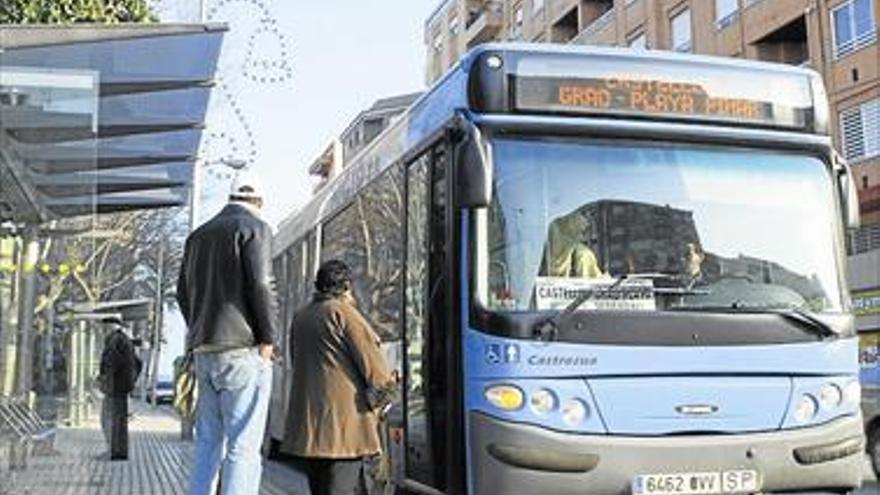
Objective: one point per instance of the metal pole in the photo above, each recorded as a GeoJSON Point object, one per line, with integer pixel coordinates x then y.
{"type": "Point", "coordinates": [145, 358]}
{"type": "Point", "coordinates": [26, 301]}
{"type": "Point", "coordinates": [81, 374]}
{"type": "Point", "coordinates": [195, 191]}
{"type": "Point", "coordinates": [8, 313]}
{"type": "Point", "coordinates": [71, 372]}
{"type": "Point", "coordinates": [74, 371]}
{"type": "Point", "coordinates": [89, 363]}
{"type": "Point", "coordinates": [157, 330]}
{"type": "Point", "coordinates": [49, 354]}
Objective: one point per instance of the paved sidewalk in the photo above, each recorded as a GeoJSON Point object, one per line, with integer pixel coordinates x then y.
{"type": "Point", "coordinates": [158, 463]}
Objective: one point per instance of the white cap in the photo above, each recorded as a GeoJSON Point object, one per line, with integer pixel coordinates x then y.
{"type": "Point", "coordinates": [246, 186]}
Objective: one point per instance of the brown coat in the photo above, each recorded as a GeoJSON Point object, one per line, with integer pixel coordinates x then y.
{"type": "Point", "coordinates": [336, 357]}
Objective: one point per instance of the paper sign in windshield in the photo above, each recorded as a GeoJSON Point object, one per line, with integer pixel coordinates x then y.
{"type": "Point", "coordinates": [629, 295]}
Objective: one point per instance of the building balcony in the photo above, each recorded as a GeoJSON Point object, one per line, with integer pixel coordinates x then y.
{"type": "Point", "coordinates": [329, 163]}
{"type": "Point", "coordinates": [595, 33]}
{"type": "Point", "coordinates": [869, 199]}
{"type": "Point", "coordinates": [484, 23]}
{"type": "Point", "coordinates": [786, 44]}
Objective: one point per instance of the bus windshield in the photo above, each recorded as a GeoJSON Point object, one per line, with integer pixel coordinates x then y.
{"type": "Point", "coordinates": [658, 227]}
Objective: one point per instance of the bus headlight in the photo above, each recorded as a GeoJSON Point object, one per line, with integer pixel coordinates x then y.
{"type": "Point", "coordinates": [542, 401]}
{"type": "Point", "coordinates": [852, 393]}
{"type": "Point", "coordinates": [830, 397]}
{"type": "Point", "coordinates": [574, 411]}
{"type": "Point", "coordinates": [806, 409]}
{"type": "Point", "coordinates": [506, 397]}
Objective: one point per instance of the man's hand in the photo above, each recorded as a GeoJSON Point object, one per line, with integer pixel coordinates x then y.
{"type": "Point", "coordinates": [266, 351]}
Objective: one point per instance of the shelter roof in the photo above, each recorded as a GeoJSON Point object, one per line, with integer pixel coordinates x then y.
{"type": "Point", "coordinates": [97, 119]}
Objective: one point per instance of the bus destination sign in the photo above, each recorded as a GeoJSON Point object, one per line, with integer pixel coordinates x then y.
{"type": "Point", "coordinates": [630, 96]}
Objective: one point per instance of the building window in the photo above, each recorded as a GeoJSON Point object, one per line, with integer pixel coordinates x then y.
{"type": "Point", "coordinates": [537, 6]}
{"type": "Point", "coordinates": [854, 26]}
{"type": "Point", "coordinates": [725, 13]}
{"type": "Point", "coordinates": [454, 26]}
{"type": "Point", "coordinates": [438, 42]}
{"type": "Point", "coordinates": [681, 31]}
{"type": "Point", "coordinates": [516, 24]}
{"type": "Point", "coordinates": [860, 131]}
{"type": "Point", "coordinates": [640, 42]}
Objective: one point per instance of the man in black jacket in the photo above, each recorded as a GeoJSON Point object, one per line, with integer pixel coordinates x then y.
{"type": "Point", "coordinates": [226, 297]}
{"type": "Point", "coordinates": [119, 370]}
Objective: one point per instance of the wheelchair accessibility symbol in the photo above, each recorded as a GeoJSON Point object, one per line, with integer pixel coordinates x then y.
{"type": "Point", "coordinates": [498, 353]}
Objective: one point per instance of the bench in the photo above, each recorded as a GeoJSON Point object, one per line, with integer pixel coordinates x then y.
{"type": "Point", "coordinates": [24, 432]}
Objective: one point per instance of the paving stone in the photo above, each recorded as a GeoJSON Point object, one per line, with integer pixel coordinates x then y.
{"type": "Point", "coordinates": [158, 463]}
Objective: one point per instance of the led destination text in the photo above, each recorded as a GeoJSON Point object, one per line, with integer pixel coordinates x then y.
{"type": "Point", "coordinates": [655, 97]}
{"type": "Point", "coordinates": [633, 96]}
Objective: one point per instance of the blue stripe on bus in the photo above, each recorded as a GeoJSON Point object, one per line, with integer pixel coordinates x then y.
{"type": "Point", "coordinates": [489, 356]}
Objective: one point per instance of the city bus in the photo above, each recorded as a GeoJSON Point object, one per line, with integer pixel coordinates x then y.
{"type": "Point", "coordinates": [600, 271]}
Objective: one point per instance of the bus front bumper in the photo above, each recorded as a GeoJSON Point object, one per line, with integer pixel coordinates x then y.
{"type": "Point", "coordinates": [525, 459]}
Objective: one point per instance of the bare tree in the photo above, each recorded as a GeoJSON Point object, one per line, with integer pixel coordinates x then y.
{"type": "Point", "coordinates": [115, 257]}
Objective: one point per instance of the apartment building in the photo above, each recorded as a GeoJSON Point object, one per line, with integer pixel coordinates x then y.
{"type": "Point", "coordinates": [836, 37]}
{"type": "Point", "coordinates": [359, 133]}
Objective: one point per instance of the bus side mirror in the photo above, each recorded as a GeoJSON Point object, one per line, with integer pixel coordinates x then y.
{"type": "Point", "coordinates": [848, 193]}
{"type": "Point", "coordinates": [474, 171]}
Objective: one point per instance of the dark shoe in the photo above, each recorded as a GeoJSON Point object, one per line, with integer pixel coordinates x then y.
{"type": "Point", "coordinates": [118, 457]}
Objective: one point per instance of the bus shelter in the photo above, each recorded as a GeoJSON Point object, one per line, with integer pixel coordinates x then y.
{"type": "Point", "coordinates": [94, 120]}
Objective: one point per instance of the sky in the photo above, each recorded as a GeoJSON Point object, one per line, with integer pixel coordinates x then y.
{"type": "Point", "coordinates": [342, 56]}
{"type": "Point", "coordinates": [345, 56]}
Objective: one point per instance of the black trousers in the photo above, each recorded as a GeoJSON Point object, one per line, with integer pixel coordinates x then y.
{"type": "Point", "coordinates": [336, 476]}
{"type": "Point", "coordinates": [114, 422]}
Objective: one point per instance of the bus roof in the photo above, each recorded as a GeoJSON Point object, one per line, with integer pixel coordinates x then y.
{"type": "Point", "coordinates": [584, 81]}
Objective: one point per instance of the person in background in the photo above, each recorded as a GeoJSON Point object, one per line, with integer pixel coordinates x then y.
{"type": "Point", "coordinates": [119, 370]}
{"type": "Point", "coordinates": [565, 253]}
{"type": "Point", "coordinates": [341, 382]}
{"type": "Point", "coordinates": [227, 298]}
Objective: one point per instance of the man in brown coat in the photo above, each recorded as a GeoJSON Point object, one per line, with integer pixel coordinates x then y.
{"type": "Point", "coordinates": [337, 369]}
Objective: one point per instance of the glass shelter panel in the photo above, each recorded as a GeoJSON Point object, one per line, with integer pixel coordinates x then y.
{"type": "Point", "coordinates": [42, 107]}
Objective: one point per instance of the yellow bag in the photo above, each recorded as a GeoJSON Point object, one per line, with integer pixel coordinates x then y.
{"type": "Point", "coordinates": [185, 388]}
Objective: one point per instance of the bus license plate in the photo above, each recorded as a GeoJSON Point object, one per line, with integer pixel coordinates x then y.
{"type": "Point", "coordinates": [744, 481]}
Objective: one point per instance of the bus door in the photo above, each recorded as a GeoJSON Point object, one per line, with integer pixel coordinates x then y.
{"type": "Point", "coordinates": [426, 321]}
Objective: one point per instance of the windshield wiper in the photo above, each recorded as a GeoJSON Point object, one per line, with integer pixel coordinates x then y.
{"type": "Point", "coordinates": [548, 329]}
{"type": "Point", "coordinates": [806, 321]}
{"type": "Point", "coordinates": [803, 319]}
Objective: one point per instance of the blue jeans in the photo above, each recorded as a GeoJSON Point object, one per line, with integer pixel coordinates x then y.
{"type": "Point", "coordinates": [233, 401]}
